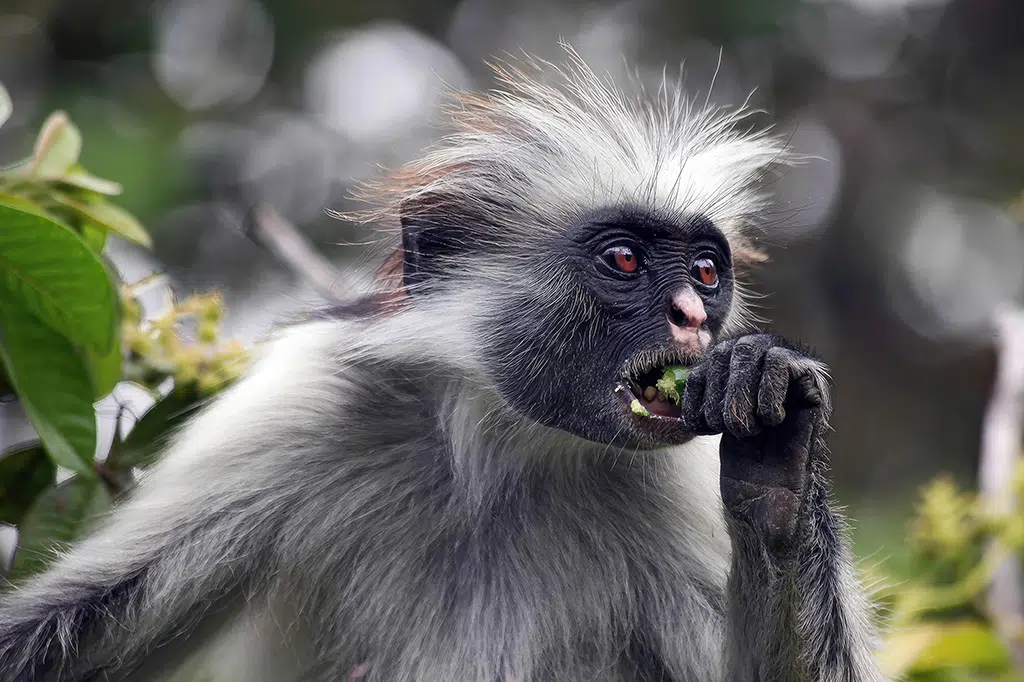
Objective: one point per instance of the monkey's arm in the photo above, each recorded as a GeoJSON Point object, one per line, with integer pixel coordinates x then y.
{"type": "Point", "coordinates": [148, 576]}
{"type": "Point", "coordinates": [198, 530]}
{"type": "Point", "coordinates": [795, 610]}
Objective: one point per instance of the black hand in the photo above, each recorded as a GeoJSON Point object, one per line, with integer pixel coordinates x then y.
{"type": "Point", "coordinates": [767, 399]}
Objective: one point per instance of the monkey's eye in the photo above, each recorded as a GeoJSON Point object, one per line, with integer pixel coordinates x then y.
{"type": "Point", "coordinates": [622, 258]}
{"type": "Point", "coordinates": [705, 272]}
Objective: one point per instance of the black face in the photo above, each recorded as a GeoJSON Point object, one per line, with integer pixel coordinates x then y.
{"type": "Point", "coordinates": [586, 331]}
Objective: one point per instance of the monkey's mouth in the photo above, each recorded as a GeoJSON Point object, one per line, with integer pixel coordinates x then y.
{"type": "Point", "coordinates": [654, 390]}
{"type": "Point", "coordinates": [645, 389]}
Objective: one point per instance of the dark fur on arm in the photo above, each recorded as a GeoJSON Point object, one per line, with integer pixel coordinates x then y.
{"type": "Point", "coordinates": [795, 609]}
{"type": "Point", "coordinates": [796, 612]}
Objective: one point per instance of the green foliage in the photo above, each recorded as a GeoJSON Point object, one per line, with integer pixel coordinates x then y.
{"type": "Point", "coordinates": [50, 272]}
{"type": "Point", "coordinates": [143, 444]}
{"type": "Point", "coordinates": [940, 625]}
{"type": "Point", "coordinates": [25, 472]}
{"type": "Point", "coordinates": [49, 375]}
{"type": "Point", "coordinates": [672, 383]}
{"type": "Point", "coordinates": [57, 516]}
{"type": "Point", "coordinates": [70, 332]}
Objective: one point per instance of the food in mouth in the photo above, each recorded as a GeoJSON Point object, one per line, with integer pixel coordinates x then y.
{"type": "Point", "coordinates": [638, 408]}
{"type": "Point", "coordinates": [672, 382]}
{"type": "Point", "coordinates": [659, 391]}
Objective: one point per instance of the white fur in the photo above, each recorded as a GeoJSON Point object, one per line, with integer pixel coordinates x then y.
{"type": "Point", "coordinates": [553, 144]}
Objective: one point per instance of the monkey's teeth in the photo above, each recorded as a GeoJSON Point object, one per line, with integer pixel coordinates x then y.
{"type": "Point", "coordinates": [650, 393]}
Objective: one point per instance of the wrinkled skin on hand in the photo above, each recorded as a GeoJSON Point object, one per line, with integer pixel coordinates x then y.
{"type": "Point", "coordinates": [768, 400]}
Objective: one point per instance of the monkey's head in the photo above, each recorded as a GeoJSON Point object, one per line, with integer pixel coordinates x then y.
{"type": "Point", "coordinates": [588, 240]}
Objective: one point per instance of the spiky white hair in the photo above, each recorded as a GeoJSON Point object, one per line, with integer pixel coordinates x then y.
{"type": "Point", "coordinates": [552, 144]}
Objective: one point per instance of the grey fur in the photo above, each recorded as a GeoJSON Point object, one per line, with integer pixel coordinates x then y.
{"type": "Point", "coordinates": [365, 496]}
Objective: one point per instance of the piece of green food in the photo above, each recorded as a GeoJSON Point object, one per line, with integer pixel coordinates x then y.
{"type": "Point", "coordinates": [639, 409]}
{"type": "Point", "coordinates": [672, 382]}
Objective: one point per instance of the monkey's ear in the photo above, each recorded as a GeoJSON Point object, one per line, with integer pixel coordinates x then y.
{"type": "Point", "coordinates": [413, 265]}
{"type": "Point", "coordinates": [434, 233]}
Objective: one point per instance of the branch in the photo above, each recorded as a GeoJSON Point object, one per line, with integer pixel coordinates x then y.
{"type": "Point", "coordinates": [267, 228]}
{"type": "Point", "coordinates": [1002, 432]}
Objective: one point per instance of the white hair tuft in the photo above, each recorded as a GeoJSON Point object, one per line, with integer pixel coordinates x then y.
{"type": "Point", "coordinates": [553, 144]}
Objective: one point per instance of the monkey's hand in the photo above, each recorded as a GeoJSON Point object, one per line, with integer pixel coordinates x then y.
{"type": "Point", "coordinates": [794, 609]}
{"type": "Point", "coordinates": [767, 399]}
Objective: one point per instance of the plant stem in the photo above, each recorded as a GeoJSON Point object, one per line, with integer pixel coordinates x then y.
{"type": "Point", "coordinates": [269, 229]}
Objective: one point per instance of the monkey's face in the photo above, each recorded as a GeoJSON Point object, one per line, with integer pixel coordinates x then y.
{"type": "Point", "coordinates": [583, 334]}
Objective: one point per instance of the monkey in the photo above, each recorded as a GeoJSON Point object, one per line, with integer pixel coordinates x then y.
{"type": "Point", "coordinates": [446, 480]}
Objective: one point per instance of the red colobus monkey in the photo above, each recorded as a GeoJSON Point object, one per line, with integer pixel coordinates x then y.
{"type": "Point", "coordinates": [471, 475]}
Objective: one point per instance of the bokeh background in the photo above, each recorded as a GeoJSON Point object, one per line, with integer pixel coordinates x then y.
{"type": "Point", "coordinates": [893, 247]}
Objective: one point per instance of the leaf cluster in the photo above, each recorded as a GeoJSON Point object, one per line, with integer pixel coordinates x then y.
{"type": "Point", "coordinates": [71, 332]}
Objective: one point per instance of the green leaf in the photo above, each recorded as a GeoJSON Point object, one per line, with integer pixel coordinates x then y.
{"type": "Point", "coordinates": [53, 273]}
{"type": "Point", "coordinates": [20, 203]}
{"type": "Point", "coordinates": [965, 645]}
{"type": "Point", "coordinates": [57, 147]}
{"type": "Point", "coordinates": [61, 515]}
{"type": "Point", "coordinates": [94, 237]}
{"type": "Point", "coordinates": [6, 106]}
{"type": "Point", "coordinates": [147, 439]}
{"type": "Point", "coordinates": [53, 382]}
{"type": "Point", "coordinates": [109, 217]}
{"type": "Point", "coordinates": [105, 370]}
{"type": "Point", "coordinates": [922, 649]}
{"type": "Point", "coordinates": [672, 383]}
{"type": "Point", "coordinates": [79, 177]}
{"type": "Point", "coordinates": [24, 473]}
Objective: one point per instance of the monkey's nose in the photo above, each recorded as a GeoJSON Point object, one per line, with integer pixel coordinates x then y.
{"type": "Point", "coordinates": [686, 310]}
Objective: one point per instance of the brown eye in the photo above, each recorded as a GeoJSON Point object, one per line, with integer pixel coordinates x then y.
{"type": "Point", "coordinates": [623, 259]}
{"type": "Point", "coordinates": [705, 272]}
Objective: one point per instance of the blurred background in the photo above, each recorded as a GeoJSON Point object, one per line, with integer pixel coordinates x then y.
{"type": "Point", "coordinates": [892, 249]}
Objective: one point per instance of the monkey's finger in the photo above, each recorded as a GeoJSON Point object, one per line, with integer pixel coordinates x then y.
{"type": "Point", "coordinates": [771, 395]}
{"type": "Point", "coordinates": [692, 403]}
{"type": "Point", "coordinates": [741, 392]}
{"type": "Point", "coordinates": [805, 382]}
{"type": "Point", "coordinates": [714, 392]}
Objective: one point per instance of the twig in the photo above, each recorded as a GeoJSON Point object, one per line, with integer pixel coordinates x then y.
{"type": "Point", "coordinates": [1002, 433]}
{"type": "Point", "coordinates": [269, 229]}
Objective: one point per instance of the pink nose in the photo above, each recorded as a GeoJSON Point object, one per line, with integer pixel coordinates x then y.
{"type": "Point", "coordinates": [686, 314]}
{"type": "Point", "coordinates": [686, 310]}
